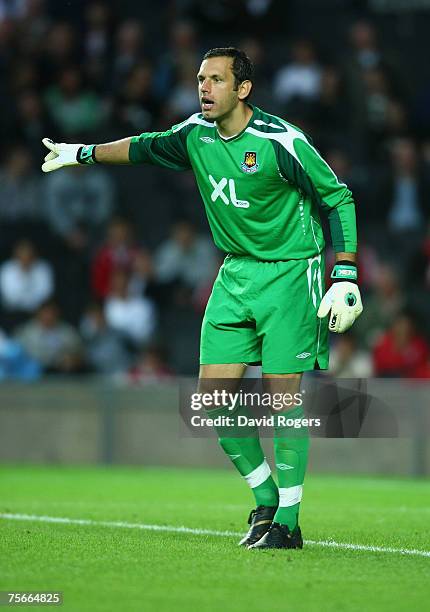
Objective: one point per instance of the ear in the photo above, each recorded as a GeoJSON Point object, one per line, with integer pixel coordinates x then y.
{"type": "Point", "coordinates": [244, 90]}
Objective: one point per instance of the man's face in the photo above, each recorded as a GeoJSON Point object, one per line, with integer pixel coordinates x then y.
{"type": "Point", "coordinates": [48, 316]}
{"type": "Point", "coordinates": [217, 93]}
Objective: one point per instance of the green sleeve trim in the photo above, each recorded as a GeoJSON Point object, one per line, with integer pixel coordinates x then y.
{"type": "Point", "coordinates": [343, 229]}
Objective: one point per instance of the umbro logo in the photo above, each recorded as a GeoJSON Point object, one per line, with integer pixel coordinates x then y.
{"type": "Point", "coordinates": [303, 355]}
{"type": "Point", "coordinates": [233, 457]}
{"type": "Point", "coordinates": [284, 466]}
{"type": "Point", "coordinates": [206, 139]}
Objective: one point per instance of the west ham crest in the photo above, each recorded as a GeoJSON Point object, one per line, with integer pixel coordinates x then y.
{"type": "Point", "coordinates": [249, 163]}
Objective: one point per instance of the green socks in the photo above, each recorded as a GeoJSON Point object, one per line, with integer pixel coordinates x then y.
{"type": "Point", "coordinates": [291, 455]}
{"type": "Point", "coordinates": [244, 450]}
{"type": "Point", "coordinates": [291, 444]}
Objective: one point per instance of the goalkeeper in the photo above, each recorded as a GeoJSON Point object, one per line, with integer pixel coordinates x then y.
{"type": "Point", "coordinates": [263, 185]}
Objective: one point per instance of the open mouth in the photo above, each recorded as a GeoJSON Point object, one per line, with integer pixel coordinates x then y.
{"type": "Point", "coordinates": [207, 103]}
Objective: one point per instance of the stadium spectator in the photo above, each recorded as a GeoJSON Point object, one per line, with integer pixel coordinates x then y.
{"type": "Point", "coordinates": [97, 43]}
{"type": "Point", "coordinates": [384, 116]}
{"type": "Point", "coordinates": [79, 204]}
{"type": "Point", "coordinates": [181, 55]}
{"type": "Point", "coordinates": [365, 52]}
{"type": "Point", "coordinates": [135, 106]}
{"type": "Point", "coordinates": [74, 109]}
{"type": "Point", "coordinates": [184, 43]}
{"type": "Point", "coordinates": [187, 257]}
{"type": "Point", "coordinates": [151, 366]}
{"type": "Point", "coordinates": [97, 31]}
{"type": "Point", "coordinates": [24, 75]}
{"type": "Point", "coordinates": [183, 101]}
{"type": "Point", "coordinates": [373, 91]}
{"type": "Point", "coordinates": [262, 95]}
{"type": "Point", "coordinates": [402, 351]}
{"type": "Point", "coordinates": [32, 122]}
{"type": "Point", "coordinates": [419, 272]}
{"type": "Point", "coordinates": [142, 275]}
{"type": "Point", "coordinates": [53, 343]}
{"type": "Point", "coordinates": [60, 51]}
{"type": "Point", "coordinates": [118, 252]}
{"type": "Point", "coordinates": [35, 18]}
{"type": "Point", "coordinates": [20, 187]}
{"type": "Point", "coordinates": [128, 52]}
{"type": "Point", "coordinates": [347, 360]}
{"type": "Point", "coordinates": [404, 192]}
{"type": "Point", "coordinates": [32, 28]}
{"type": "Point", "coordinates": [299, 81]}
{"type": "Point", "coordinates": [355, 175]}
{"type": "Point", "coordinates": [105, 349]}
{"type": "Point", "coordinates": [331, 112]}
{"type": "Point", "coordinates": [25, 282]}
{"type": "Point", "coordinates": [203, 292]}
{"type": "Point", "coordinates": [225, 18]}
{"type": "Point", "coordinates": [12, 9]}
{"type": "Point", "coordinates": [15, 364]}
{"type": "Point", "coordinates": [22, 211]}
{"type": "Point", "coordinates": [131, 315]}
{"type": "Point", "coordinates": [78, 207]}
{"type": "Point", "coordinates": [383, 305]}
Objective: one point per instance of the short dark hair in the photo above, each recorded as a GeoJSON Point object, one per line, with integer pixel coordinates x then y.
{"type": "Point", "coordinates": [242, 67]}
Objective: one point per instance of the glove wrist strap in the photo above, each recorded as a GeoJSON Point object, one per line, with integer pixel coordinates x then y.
{"type": "Point", "coordinates": [86, 154]}
{"type": "Point", "coordinates": [344, 271]}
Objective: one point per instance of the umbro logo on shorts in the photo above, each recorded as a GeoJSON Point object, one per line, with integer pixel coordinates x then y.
{"type": "Point", "coordinates": [303, 355]}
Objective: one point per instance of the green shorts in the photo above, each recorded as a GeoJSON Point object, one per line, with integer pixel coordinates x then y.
{"type": "Point", "coordinates": [266, 312]}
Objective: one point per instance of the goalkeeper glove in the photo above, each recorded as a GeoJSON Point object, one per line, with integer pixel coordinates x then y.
{"type": "Point", "coordinates": [343, 298]}
{"type": "Point", "coordinates": [62, 154]}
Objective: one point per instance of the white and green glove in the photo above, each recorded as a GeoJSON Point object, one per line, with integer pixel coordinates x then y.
{"type": "Point", "coordinates": [62, 154]}
{"type": "Point", "coordinates": [343, 298]}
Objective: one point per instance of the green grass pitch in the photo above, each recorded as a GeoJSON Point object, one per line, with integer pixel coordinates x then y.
{"type": "Point", "coordinates": [104, 567]}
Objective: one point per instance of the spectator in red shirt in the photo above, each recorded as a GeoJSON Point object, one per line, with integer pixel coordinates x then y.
{"type": "Point", "coordinates": [118, 253]}
{"type": "Point", "coordinates": [151, 366]}
{"type": "Point", "coordinates": [401, 351]}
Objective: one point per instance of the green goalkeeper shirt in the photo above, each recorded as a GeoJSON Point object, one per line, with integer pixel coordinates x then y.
{"type": "Point", "coordinates": [262, 189]}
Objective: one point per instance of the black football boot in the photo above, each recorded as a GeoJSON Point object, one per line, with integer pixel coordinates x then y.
{"type": "Point", "coordinates": [279, 536]}
{"type": "Point", "coordinates": [259, 520]}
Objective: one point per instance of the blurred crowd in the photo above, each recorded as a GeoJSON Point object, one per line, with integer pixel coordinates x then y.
{"type": "Point", "coordinates": [108, 270]}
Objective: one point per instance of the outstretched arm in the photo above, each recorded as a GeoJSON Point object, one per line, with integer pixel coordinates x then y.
{"type": "Point", "coordinates": [167, 149]}
{"type": "Point", "coordinates": [62, 154]}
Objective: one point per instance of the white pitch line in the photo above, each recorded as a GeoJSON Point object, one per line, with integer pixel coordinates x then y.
{"type": "Point", "coordinates": [209, 532]}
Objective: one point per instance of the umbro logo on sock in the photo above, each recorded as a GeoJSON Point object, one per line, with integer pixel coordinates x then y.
{"type": "Point", "coordinates": [284, 466]}
{"type": "Point", "coordinates": [233, 457]}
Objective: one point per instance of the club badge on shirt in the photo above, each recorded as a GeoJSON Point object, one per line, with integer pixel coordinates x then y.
{"type": "Point", "coordinates": [249, 163]}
